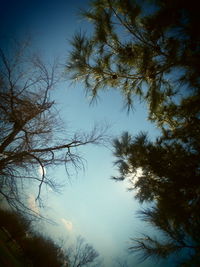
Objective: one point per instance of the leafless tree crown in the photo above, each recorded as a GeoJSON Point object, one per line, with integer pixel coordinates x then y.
{"type": "Point", "coordinates": [29, 139]}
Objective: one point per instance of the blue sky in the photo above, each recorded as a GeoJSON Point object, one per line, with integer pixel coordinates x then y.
{"type": "Point", "coordinates": [91, 205]}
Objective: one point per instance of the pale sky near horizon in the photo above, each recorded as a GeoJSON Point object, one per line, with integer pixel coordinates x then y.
{"type": "Point", "coordinates": [92, 205]}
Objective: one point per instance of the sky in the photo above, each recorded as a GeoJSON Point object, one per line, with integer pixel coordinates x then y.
{"type": "Point", "coordinates": [91, 204]}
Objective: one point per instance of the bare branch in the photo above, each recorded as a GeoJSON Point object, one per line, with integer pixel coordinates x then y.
{"type": "Point", "coordinates": [31, 138]}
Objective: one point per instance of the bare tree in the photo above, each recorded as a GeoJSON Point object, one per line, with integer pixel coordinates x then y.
{"type": "Point", "coordinates": [82, 254]}
{"type": "Point", "coordinates": [30, 138]}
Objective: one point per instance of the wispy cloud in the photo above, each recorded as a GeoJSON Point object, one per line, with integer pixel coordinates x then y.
{"type": "Point", "coordinates": [32, 204]}
{"type": "Point", "coordinates": [67, 224]}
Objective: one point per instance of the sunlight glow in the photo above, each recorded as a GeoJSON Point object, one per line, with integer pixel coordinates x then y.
{"type": "Point", "coordinates": [67, 224]}
{"type": "Point", "coordinates": [40, 171]}
{"type": "Point", "coordinates": [32, 204]}
{"type": "Point", "coordinates": [133, 178]}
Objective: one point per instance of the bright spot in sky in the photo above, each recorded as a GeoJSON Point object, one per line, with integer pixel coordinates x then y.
{"type": "Point", "coordinates": [40, 171]}
{"type": "Point", "coordinates": [133, 178]}
{"type": "Point", "coordinates": [32, 204]}
{"type": "Point", "coordinates": [68, 225]}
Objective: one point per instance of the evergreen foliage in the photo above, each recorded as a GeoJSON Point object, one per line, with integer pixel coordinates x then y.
{"type": "Point", "coordinates": [151, 49]}
{"type": "Point", "coordinates": [169, 182]}
{"type": "Point", "coordinates": [42, 251]}
{"type": "Point", "coordinates": [33, 249]}
{"type": "Point", "coordinates": [148, 49]}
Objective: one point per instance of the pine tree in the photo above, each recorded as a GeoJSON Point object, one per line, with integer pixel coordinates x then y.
{"type": "Point", "coordinates": [148, 49]}
{"type": "Point", "coordinates": [169, 182]}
